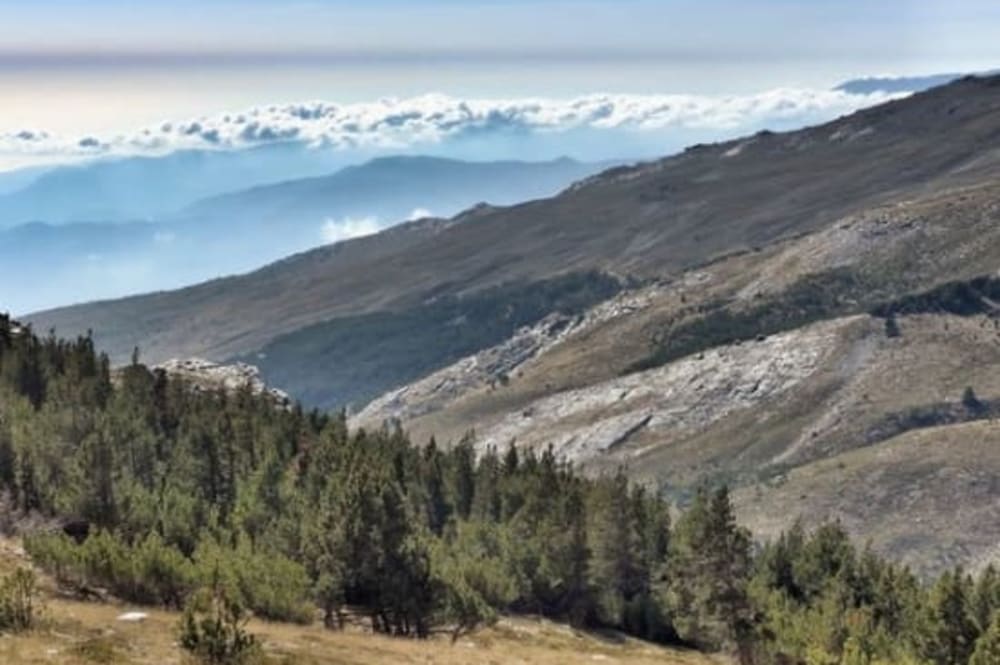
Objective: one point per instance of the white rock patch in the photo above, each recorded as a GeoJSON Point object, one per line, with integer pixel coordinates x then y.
{"type": "Point", "coordinates": [685, 396]}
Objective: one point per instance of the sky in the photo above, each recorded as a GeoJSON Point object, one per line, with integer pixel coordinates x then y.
{"type": "Point", "coordinates": [81, 69]}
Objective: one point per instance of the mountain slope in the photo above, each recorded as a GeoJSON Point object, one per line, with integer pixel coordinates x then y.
{"type": "Point", "coordinates": [649, 221]}
{"type": "Point", "coordinates": [927, 497]}
{"type": "Point", "coordinates": [45, 264]}
{"type": "Point", "coordinates": [751, 405]}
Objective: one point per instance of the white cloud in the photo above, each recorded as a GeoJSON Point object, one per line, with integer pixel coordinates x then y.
{"type": "Point", "coordinates": [419, 213]}
{"type": "Point", "coordinates": [393, 124]}
{"type": "Point", "coordinates": [335, 230]}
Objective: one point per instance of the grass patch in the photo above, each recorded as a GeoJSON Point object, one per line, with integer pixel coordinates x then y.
{"type": "Point", "coordinates": [103, 649]}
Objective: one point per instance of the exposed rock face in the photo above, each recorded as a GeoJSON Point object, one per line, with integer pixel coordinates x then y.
{"type": "Point", "coordinates": [488, 367]}
{"type": "Point", "coordinates": [496, 365]}
{"type": "Point", "coordinates": [208, 375]}
{"type": "Point", "coordinates": [684, 397]}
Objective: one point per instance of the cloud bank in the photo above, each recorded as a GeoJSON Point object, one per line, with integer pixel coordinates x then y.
{"type": "Point", "coordinates": [399, 124]}
{"type": "Point", "coordinates": [335, 230]}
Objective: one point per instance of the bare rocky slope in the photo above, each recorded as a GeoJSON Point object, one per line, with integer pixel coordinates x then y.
{"type": "Point", "coordinates": [764, 333]}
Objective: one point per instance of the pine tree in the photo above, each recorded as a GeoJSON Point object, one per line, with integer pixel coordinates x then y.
{"type": "Point", "coordinates": [487, 503]}
{"type": "Point", "coordinates": [710, 568]}
{"type": "Point", "coordinates": [948, 635]}
{"type": "Point", "coordinates": [578, 600]}
{"type": "Point", "coordinates": [985, 600]}
{"type": "Point", "coordinates": [987, 651]}
{"type": "Point", "coordinates": [618, 575]}
{"type": "Point", "coordinates": [8, 458]}
{"type": "Point", "coordinates": [464, 477]}
{"type": "Point", "coordinates": [437, 506]}
{"type": "Point", "coordinates": [98, 468]}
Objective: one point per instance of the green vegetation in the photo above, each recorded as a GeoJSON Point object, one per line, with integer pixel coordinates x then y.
{"type": "Point", "coordinates": [824, 295]}
{"type": "Point", "coordinates": [836, 292]}
{"type": "Point", "coordinates": [970, 408]}
{"type": "Point", "coordinates": [18, 601]}
{"type": "Point", "coordinates": [351, 360]}
{"type": "Point", "coordinates": [223, 504]}
{"type": "Point", "coordinates": [961, 298]}
{"type": "Point", "coordinates": [815, 297]}
{"type": "Point", "coordinates": [213, 629]}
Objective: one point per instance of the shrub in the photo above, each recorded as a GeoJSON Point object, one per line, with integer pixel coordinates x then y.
{"type": "Point", "coordinates": [105, 563]}
{"type": "Point", "coordinates": [149, 572]}
{"type": "Point", "coordinates": [970, 401]}
{"type": "Point", "coordinates": [276, 587]}
{"type": "Point", "coordinates": [472, 579]}
{"type": "Point", "coordinates": [213, 629]}
{"type": "Point", "coordinates": [56, 554]}
{"type": "Point", "coordinates": [18, 601]}
{"type": "Point", "coordinates": [271, 585]}
{"type": "Point", "coordinates": [892, 326]}
{"type": "Point", "coordinates": [161, 574]}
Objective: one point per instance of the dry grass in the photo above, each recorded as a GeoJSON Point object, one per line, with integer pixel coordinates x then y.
{"type": "Point", "coordinates": [926, 497]}
{"type": "Point", "coordinates": [82, 633]}
{"type": "Point", "coordinates": [79, 633]}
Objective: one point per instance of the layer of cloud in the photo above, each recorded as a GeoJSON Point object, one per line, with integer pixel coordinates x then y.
{"type": "Point", "coordinates": [397, 124]}
{"type": "Point", "coordinates": [335, 230]}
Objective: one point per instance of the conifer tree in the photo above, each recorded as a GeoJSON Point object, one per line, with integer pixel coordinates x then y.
{"type": "Point", "coordinates": [987, 651]}
{"type": "Point", "coordinates": [948, 635]}
{"type": "Point", "coordinates": [578, 601]}
{"type": "Point", "coordinates": [617, 566]}
{"type": "Point", "coordinates": [464, 477]}
{"type": "Point", "coordinates": [985, 600]}
{"type": "Point", "coordinates": [710, 568]}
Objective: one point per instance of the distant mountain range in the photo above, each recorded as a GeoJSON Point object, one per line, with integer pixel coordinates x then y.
{"type": "Point", "coordinates": [145, 187]}
{"type": "Point", "coordinates": [45, 264]}
{"type": "Point", "coordinates": [897, 84]}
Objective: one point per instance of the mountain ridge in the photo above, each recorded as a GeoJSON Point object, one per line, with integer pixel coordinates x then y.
{"type": "Point", "coordinates": [670, 215]}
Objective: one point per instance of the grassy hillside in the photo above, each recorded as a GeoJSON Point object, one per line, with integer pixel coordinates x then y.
{"type": "Point", "coordinates": [926, 497]}
{"type": "Point", "coordinates": [82, 633]}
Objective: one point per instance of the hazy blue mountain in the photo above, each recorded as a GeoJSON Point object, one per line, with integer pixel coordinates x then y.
{"type": "Point", "coordinates": [391, 188]}
{"type": "Point", "coordinates": [44, 265]}
{"type": "Point", "coordinates": [128, 188]}
{"type": "Point", "coordinates": [17, 179]}
{"type": "Point", "coordinates": [895, 84]}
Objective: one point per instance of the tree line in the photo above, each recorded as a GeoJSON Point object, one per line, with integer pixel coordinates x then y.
{"type": "Point", "coordinates": [302, 519]}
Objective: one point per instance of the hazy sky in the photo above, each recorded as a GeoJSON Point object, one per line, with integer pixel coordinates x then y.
{"type": "Point", "coordinates": [99, 66]}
